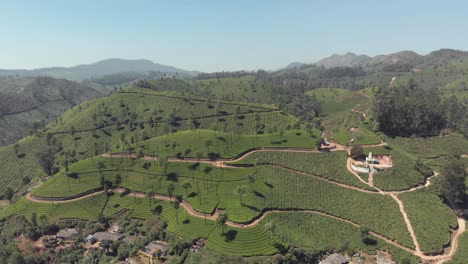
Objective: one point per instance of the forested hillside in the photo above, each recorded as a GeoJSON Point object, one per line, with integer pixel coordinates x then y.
{"type": "Point", "coordinates": [29, 103]}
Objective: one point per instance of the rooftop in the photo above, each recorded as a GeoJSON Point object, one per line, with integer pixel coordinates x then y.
{"type": "Point", "coordinates": [335, 259]}
{"type": "Point", "coordinates": [99, 236]}
{"type": "Point", "coordinates": [67, 233]}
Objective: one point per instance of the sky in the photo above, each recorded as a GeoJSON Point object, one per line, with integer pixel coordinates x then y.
{"type": "Point", "coordinates": [222, 35]}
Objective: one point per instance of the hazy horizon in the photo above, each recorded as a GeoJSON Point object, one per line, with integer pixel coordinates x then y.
{"type": "Point", "coordinates": [213, 36]}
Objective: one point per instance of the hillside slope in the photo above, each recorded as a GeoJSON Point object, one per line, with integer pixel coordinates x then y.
{"type": "Point", "coordinates": [32, 102]}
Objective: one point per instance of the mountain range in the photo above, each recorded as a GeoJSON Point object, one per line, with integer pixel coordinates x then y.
{"type": "Point", "coordinates": [409, 59]}
{"type": "Point", "coordinates": [99, 69]}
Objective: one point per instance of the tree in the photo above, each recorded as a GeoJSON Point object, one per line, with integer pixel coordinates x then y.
{"type": "Point", "coordinates": [163, 162]}
{"type": "Point", "coordinates": [364, 231]}
{"type": "Point", "coordinates": [16, 149]}
{"type": "Point", "coordinates": [8, 193]}
{"type": "Point", "coordinates": [118, 179]}
{"type": "Point", "coordinates": [170, 190]}
{"type": "Point", "coordinates": [452, 186]}
{"type": "Point", "coordinates": [147, 166]}
{"type": "Point", "coordinates": [187, 153]}
{"type": "Point", "coordinates": [270, 228]}
{"type": "Point", "coordinates": [101, 165]}
{"type": "Point", "coordinates": [176, 205]}
{"type": "Point", "coordinates": [408, 110]}
{"type": "Point", "coordinates": [46, 159]}
{"type": "Point", "coordinates": [221, 222]}
{"type": "Point", "coordinates": [186, 186]}
{"type": "Point", "coordinates": [34, 219]}
{"type": "Point", "coordinates": [106, 244]}
{"type": "Point", "coordinates": [208, 144]}
{"type": "Point", "coordinates": [250, 179]}
{"type": "Point", "coordinates": [102, 180]}
{"type": "Point", "coordinates": [356, 152]}
{"type": "Point", "coordinates": [241, 190]}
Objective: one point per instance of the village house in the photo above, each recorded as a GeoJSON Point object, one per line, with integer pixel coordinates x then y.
{"type": "Point", "coordinates": [68, 234]}
{"type": "Point", "coordinates": [335, 259]}
{"type": "Point", "coordinates": [157, 248]}
{"type": "Point", "coordinates": [100, 236]}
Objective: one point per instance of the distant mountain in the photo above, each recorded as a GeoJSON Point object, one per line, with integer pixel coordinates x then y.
{"type": "Point", "coordinates": [99, 69]}
{"type": "Point", "coordinates": [28, 102]}
{"type": "Point", "coordinates": [403, 60]}
{"type": "Point", "coordinates": [349, 60]}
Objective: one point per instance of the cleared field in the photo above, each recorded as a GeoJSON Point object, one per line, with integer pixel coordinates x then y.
{"type": "Point", "coordinates": [433, 221]}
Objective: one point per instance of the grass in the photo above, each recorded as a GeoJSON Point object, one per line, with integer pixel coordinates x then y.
{"type": "Point", "coordinates": [291, 228]}
{"type": "Point", "coordinates": [18, 171]}
{"type": "Point", "coordinates": [433, 150]}
{"type": "Point", "coordinates": [462, 252]}
{"type": "Point", "coordinates": [272, 188]}
{"type": "Point", "coordinates": [361, 136]}
{"type": "Point", "coordinates": [100, 123]}
{"type": "Point", "coordinates": [433, 221]}
{"type": "Point", "coordinates": [316, 233]}
{"type": "Point", "coordinates": [338, 106]}
{"type": "Point", "coordinates": [403, 174]}
{"type": "Point", "coordinates": [224, 144]}
{"type": "Point", "coordinates": [330, 165]}
{"type": "Point", "coordinates": [289, 190]}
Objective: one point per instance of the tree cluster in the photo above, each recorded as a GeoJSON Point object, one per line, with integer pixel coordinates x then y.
{"type": "Point", "coordinates": [409, 110]}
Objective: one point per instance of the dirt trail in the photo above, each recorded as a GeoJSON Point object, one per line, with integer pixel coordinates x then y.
{"type": "Point", "coordinates": [222, 164]}
{"type": "Point", "coordinates": [408, 223]}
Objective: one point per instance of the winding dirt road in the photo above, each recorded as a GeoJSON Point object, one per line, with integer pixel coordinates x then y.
{"type": "Point", "coordinates": [224, 163]}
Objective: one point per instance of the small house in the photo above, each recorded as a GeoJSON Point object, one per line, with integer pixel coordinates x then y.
{"type": "Point", "coordinates": [157, 248]}
{"type": "Point", "coordinates": [100, 236]}
{"type": "Point", "coordinates": [68, 234]}
{"type": "Point", "coordinates": [335, 259]}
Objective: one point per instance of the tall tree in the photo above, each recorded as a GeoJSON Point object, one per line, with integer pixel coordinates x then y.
{"type": "Point", "coordinates": [46, 159]}
{"type": "Point", "coordinates": [221, 222]}
{"type": "Point", "coordinates": [452, 186]}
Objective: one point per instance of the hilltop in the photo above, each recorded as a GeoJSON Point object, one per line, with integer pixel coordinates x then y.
{"type": "Point", "coordinates": [409, 59]}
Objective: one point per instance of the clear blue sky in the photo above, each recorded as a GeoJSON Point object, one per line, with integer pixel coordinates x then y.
{"type": "Point", "coordinates": [222, 35]}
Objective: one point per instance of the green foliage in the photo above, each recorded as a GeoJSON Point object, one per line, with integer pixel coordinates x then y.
{"type": "Point", "coordinates": [462, 252]}
{"type": "Point", "coordinates": [433, 221]}
{"type": "Point", "coordinates": [403, 175]}
{"type": "Point", "coordinates": [409, 110]}
{"type": "Point", "coordinates": [225, 144]}
{"type": "Point", "coordinates": [452, 184]}
{"type": "Point", "coordinates": [330, 165]}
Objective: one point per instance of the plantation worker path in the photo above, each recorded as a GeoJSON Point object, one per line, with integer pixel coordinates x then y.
{"type": "Point", "coordinates": [224, 163]}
